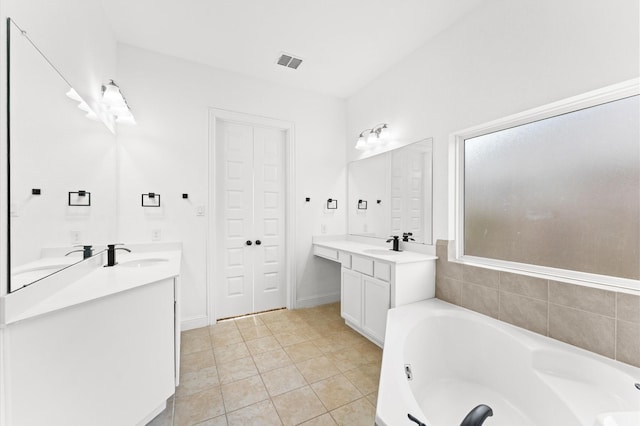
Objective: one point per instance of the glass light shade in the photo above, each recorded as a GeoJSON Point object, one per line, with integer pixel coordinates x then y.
{"type": "Point", "coordinates": [361, 144]}
{"type": "Point", "coordinates": [91, 115]}
{"type": "Point", "coordinates": [125, 119]}
{"type": "Point", "coordinates": [83, 106]}
{"type": "Point", "coordinates": [112, 96]}
{"type": "Point", "coordinates": [384, 132]}
{"type": "Point", "coordinates": [372, 139]}
{"type": "Point", "coordinates": [72, 94]}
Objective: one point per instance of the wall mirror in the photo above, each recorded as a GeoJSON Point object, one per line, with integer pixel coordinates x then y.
{"type": "Point", "coordinates": [54, 150]}
{"type": "Point", "coordinates": [396, 188]}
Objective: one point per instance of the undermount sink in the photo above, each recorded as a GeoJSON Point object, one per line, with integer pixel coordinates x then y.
{"type": "Point", "coordinates": [142, 263]}
{"type": "Point", "coordinates": [381, 252]}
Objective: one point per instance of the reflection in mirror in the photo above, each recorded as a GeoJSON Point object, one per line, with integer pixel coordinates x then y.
{"type": "Point", "coordinates": [54, 149]}
{"type": "Point", "coordinates": [397, 188]}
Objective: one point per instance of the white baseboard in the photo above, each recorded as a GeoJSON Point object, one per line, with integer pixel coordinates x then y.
{"type": "Point", "coordinates": [309, 302]}
{"type": "Point", "coordinates": [192, 323]}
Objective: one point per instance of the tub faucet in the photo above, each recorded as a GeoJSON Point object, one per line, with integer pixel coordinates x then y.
{"type": "Point", "coordinates": [477, 416]}
{"type": "Point", "coordinates": [87, 251]}
{"type": "Point", "coordinates": [111, 253]}
{"type": "Point", "coordinates": [396, 242]}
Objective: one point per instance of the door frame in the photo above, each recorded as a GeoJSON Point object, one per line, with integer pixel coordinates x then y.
{"type": "Point", "coordinates": [215, 115]}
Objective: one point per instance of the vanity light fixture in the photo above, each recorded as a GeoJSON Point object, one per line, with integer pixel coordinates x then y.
{"type": "Point", "coordinates": [370, 138]}
{"type": "Point", "coordinates": [152, 199]}
{"type": "Point", "coordinates": [79, 198]}
{"type": "Point", "coordinates": [116, 104]}
{"type": "Point", "coordinates": [332, 204]}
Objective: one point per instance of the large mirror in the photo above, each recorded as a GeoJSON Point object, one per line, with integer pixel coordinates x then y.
{"type": "Point", "coordinates": [391, 193]}
{"type": "Point", "coordinates": [61, 166]}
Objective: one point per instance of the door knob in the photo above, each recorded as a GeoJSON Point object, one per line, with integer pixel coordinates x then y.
{"type": "Point", "coordinates": [248, 242]}
{"type": "Point", "coordinates": [258, 242]}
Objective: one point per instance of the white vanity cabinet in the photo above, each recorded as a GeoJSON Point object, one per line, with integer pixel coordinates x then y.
{"type": "Point", "coordinates": [371, 284]}
{"type": "Point", "coordinates": [366, 299]}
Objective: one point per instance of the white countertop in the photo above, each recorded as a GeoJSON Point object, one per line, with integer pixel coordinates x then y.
{"type": "Point", "coordinates": [94, 282]}
{"type": "Point", "coordinates": [375, 252]}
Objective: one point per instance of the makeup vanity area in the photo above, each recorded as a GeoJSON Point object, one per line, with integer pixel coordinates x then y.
{"type": "Point", "coordinates": [82, 342]}
{"type": "Point", "coordinates": [388, 194]}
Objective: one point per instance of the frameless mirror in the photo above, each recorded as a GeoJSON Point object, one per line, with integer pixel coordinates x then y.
{"type": "Point", "coordinates": [391, 193]}
{"type": "Point", "coordinates": [61, 167]}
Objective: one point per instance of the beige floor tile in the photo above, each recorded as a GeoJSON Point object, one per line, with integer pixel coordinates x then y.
{"type": "Point", "coordinates": [198, 407]}
{"type": "Point", "coordinates": [373, 398]}
{"type": "Point", "coordinates": [226, 338]}
{"type": "Point", "coordinates": [283, 380]}
{"type": "Point", "coordinates": [274, 316]}
{"type": "Point", "coordinates": [323, 420]}
{"type": "Point", "coordinates": [348, 359]}
{"type": "Point", "coordinates": [267, 361]}
{"type": "Point", "coordinates": [316, 369]}
{"type": "Point", "coordinates": [196, 361]}
{"type": "Point", "coordinates": [248, 322]}
{"type": "Point", "coordinates": [223, 327]}
{"type": "Point", "coordinates": [357, 413]}
{"type": "Point", "coordinates": [237, 369]}
{"type": "Point", "coordinates": [263, 344]}
{"type": "Point", "coordinates": [287, 326]}
{"type": "Point", "coordinates": [194, 342]}
{"type": "Point", "coordinates": [195, 333]}
{"type": "Point", "coordinates": [333, 342]}
{"type": "Point", "coordinates": [302, 351]}
{"type": "Point", "coordinates": [230, 352]}
{"type": "Point", "coordinates": [243, 393]}
{"type": "Point", "coordinates": [197, 381]}
{"type": "Point", "coordinates": [336, 391]}
{"type": "Point", "coordinates": [298, 406]}
{"type": "Point", "coordinates": [252, 333]}
{"type": "Point", "coordinates": [261, 414]}
{"type": "Point", "coordinates": [216, 421]}
{"type": "Point", "coordinates": [365, 377]}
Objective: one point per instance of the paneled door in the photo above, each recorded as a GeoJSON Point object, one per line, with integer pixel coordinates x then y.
{"type": "Point", "coordinates": [250, 218]}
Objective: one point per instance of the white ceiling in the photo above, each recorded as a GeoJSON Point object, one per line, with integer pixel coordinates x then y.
{"type": "Point", "coordinates": [345, 44]}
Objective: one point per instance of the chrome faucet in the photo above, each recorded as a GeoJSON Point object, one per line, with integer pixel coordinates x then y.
{"type": "Point", "coordinates": [87, 251]}
{"type": "Point", "coordinates": [111, 253]}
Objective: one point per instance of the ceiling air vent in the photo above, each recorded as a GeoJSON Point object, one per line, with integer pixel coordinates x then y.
{"type": "Point", "coordinates": [289, 61]}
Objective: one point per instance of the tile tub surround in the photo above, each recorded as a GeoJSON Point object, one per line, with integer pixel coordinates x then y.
{"type": "Point", "coordinates": [601, 321]}
{"type": "Point", "coordinates": [278, 368]}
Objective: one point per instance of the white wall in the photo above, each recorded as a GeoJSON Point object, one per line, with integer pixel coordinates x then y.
{"type": "Point", "coordinates": [167, 153]}
{"type": "Point", "coordinates": [505, 57]}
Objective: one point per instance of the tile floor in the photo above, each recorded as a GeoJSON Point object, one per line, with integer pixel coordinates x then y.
{"type": "Point", "coordinates": [283, 367]}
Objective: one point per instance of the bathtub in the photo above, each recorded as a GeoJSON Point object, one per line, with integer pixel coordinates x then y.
{"type": "Point", "coordinates": [457, 359]}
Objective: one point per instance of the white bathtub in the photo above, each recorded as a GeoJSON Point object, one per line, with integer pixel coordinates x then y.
{"type": "Point", "coordinates": [460, 359]}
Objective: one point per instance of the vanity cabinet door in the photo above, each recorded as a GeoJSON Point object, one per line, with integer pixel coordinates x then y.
{"type": "Point", "coordinates": [376, 297]}
{"type": "Point", "coordinates": [351, 297]}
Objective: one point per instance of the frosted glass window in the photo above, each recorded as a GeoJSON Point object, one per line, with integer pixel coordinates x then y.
{"type": "Point", "coordinates": [562, 192]}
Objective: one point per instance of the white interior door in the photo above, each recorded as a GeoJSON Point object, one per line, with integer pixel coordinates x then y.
{"type": "Point", "coordinates": [250, 265]}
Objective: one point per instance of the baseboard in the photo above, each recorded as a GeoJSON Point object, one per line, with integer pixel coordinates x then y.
{"type": "Point", "coordinates": [192, 323]}
{"type": "Point", "coordinates": [309, 302]}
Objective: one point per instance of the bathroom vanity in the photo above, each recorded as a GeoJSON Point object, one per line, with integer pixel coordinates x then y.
{"type": "Point", "coordinates": [92, 344]}
{"type": "Point", "coordinates": [374, 279]}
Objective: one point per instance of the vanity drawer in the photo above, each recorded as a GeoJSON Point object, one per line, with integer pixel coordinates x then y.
{"type": "Point", "coordinates": [362, 264]}
{"type": "Point", "coordinates": [325, 252]}
{"type": "Point", "coordinates": [382, 271]}
{"type": "Point", "coordinates": [345, 259]}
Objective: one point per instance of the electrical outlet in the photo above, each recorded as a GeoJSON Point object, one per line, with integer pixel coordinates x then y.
{"type": "Point", "coordinates": [200, 211]}
{"type": "Point", "coordinates": [156, 235]}
{"type": "Point", "coordinates": [76, 237]}
{"type": "Point", "coordinates": [323, 228]}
